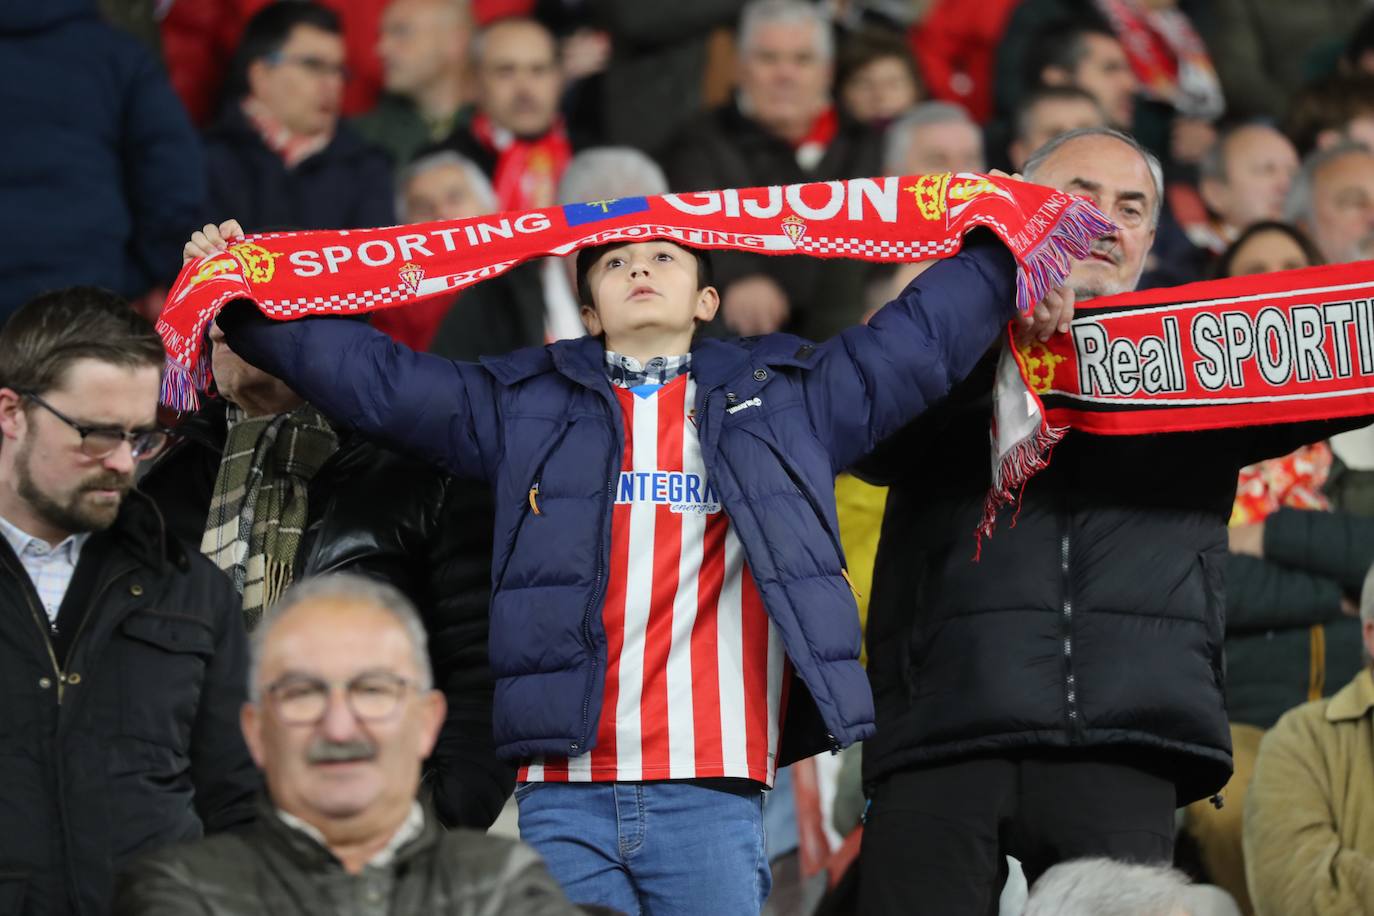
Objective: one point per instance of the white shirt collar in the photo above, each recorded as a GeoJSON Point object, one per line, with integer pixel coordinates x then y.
{"type": "Point", "coordinates": [19, 540]}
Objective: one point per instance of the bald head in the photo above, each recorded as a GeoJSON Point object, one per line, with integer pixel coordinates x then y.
{"type": "Point", "coordinates": [423, 45]}
{"type": "Point", "coordinates": [1246, 176]}
{"type": "Point", "coordinates": [518, 81]}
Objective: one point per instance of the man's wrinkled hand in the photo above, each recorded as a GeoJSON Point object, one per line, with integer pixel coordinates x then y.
{"type": "Point", "coordinates": [211, 239]}
{"type": "Point", "coordinates": [1052, 314]}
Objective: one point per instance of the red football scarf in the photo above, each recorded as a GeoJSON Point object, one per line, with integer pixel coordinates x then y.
{"type": "Point", "coordinates": [1280, 348]}
{"type": "Point", "coordinates": [289, 275]}
{"type": "Point", "coordinates": [1276, 348]}
{"type": "Point", "coordinates": [527, 171]}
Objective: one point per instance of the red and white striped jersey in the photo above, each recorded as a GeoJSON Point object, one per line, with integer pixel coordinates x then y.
{"type": "Point", "coordinates": [695, 674]}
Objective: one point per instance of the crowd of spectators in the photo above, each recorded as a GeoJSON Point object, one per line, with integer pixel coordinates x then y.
{"type": "Point", "coordinates": [132, 124]}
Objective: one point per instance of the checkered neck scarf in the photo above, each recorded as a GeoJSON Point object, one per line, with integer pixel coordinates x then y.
{"type": "Point", "coordinates": [258, 509]}
{"type": "Point", "coordinates": [628, 372]}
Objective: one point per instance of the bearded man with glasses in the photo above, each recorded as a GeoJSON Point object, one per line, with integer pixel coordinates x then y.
{"type": "Point", "coordinates": [122, 652]}
{"type": "Point", "coordinates": [342, 713]}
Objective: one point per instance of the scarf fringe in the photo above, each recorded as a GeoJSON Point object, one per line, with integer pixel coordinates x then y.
{"type": "Point", "coordinates": [1022, 462]}
{"type": "Point", "coordinates": [1048, 264]}
{"type": "Point", "coordinates": [181, 386]}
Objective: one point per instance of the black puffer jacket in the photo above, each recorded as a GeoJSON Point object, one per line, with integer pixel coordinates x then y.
{"type": "Point", "coordinates": [124, 738]}
{"type": "Point", "coordinates": [376, 512]}
{"type": "Point", "coordinates": [1096, 619]}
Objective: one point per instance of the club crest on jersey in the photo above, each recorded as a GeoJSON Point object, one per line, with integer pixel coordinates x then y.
{"type": "Point", "coordinates": [682, 492]}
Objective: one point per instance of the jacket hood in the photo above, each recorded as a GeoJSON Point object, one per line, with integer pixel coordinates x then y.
{"type": "Point", "coordinates": [18, 16]}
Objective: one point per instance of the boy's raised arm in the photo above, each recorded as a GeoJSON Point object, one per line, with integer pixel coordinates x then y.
{"type": "Point", "coordinates": [356, 375]}
{"type": "Point", "coordinates": [871, 381]}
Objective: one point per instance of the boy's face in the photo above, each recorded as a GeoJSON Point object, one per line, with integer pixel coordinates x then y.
{"type": "Point", "coordinates": [646, 286]}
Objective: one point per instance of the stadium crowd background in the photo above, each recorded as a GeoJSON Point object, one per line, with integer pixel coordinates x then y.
{"type": "Point", "coordinates": [123, 137]}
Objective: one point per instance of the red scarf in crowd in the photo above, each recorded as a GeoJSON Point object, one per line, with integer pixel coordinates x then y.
{"type": "Point", "coordinates": [291, 274]}
{"type": "Point", "coordinates": [527, 171]}
{"type": "Point", "coordinates": [1167, 56]}
{"type": "Point", "coordinates": [1280, 348]}
{"type": "Point", "coordinates": [1286, 347]}
{"type": "Point", "coordinates": [1294, 481]}
{"type": "Point", "coordinates": [811, 148]}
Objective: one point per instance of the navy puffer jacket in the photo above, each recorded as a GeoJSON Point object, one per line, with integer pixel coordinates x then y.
{"type": "Point", "coordinates": [101, 173]}
{"type": "Point", "coordinates": [547, 416]}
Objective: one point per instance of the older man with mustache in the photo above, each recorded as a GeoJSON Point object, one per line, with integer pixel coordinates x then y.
{"type": "Point", "coordinates": [342, 712]}
{"type": "Point", "coordinates": [1059, 697]}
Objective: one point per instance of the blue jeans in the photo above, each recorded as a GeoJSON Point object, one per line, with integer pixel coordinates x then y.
{"type": "Point", "coordinates": [657, 848]}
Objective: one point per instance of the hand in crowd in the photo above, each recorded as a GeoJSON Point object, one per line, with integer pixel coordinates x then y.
{"type": "Point", "coordinates": [211, 239]}
{"type": "Point", "coordinates": [754, 305]}
{"type": "Point", "coordinates": [1247, 539]}
{"type": "Point", "coordinates": [1052, 314]}
{"type": "Point", "coordinates": [585, 53]}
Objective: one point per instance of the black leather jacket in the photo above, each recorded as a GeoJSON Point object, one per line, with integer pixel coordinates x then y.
{"type": "Point", "coordinates": [271, 868]}
{"type": "Point", "coordinates": [385, 515]}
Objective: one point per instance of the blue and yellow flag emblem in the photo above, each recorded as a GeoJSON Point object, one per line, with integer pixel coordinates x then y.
{"type": "Point", "coordinates": [597, 210]}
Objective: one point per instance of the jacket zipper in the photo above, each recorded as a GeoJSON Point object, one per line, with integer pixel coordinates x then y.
{"type": "Point", "coordinates": [587, 622]}
{"type": "Point", "coordinates": [596, 594]}
{"type": "Point", "coordinates": [43, 629]}
{"type": "Point", "coordinates": [1070, 687]}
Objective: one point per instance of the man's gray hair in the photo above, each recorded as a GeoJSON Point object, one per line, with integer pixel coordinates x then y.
{"type": "Point", "coordinates": [767, 12]}
{"type": "Point", "coordinates": [346, 588]}
{"type": "Point", "coordinates": [1042, 155]}
{"type": "Point", "coordinates": [1367, 597]}
{"type": "Point", "coordinates": [1103, 887]}
{"type": "Point", "coordinates": [897, 143]}
{"type": "Point", "coordinates": [1297, 208]}
{"type": "Point", "coordinates": [478, 183]}
{"type": "Point", "coordinates": [610, 173]}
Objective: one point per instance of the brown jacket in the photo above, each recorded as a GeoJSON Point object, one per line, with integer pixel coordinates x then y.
{"type": "Point", "coordinates": [1309, 814]}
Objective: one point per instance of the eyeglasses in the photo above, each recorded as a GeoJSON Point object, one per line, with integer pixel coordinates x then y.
{"type": "Point", "coordinates": [372, 696]}
{"type": "Point", "coordinates": [315, 66]}
{"type": "Point", "coordinates": [100, 441]}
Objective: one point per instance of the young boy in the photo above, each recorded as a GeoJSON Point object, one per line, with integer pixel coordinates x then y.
{"type": "Point", "coordinates": [671, 618]}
